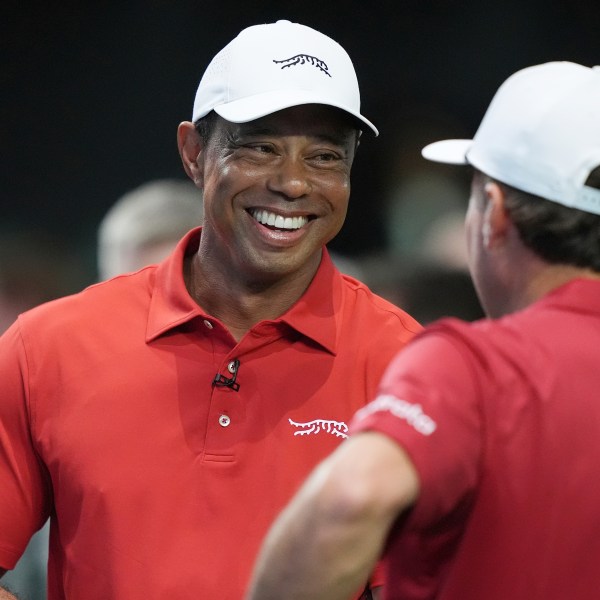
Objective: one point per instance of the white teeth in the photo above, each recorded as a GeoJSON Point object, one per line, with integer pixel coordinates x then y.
{"type": "Point", "coordinates": [268, 218]}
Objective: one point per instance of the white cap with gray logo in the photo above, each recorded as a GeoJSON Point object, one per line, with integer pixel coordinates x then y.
{"type": "Point", "coordinates": [540, 134]}
{"type": "Point", "coordinates": [270, 67]}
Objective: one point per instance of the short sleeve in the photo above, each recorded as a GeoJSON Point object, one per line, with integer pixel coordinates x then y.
{"type": "Point", "coordinates": [22, 483]}
{"type": "Point", "coordinates": [428, 402]}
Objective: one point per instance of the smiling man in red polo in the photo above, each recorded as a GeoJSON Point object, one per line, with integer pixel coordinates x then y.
{"type": "Point", "coordinates": [163, 418]}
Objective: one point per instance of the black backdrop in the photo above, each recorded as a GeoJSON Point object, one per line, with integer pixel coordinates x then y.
{"type": "Point", "coordinates": [92, 93]}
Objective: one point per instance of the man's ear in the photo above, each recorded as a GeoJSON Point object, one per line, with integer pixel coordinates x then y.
{"type": "Point", "coordinates": [496, 221]}
{"type": "Point", "coordinates": [190, 148]}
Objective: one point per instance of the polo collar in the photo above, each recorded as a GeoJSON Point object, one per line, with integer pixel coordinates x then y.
{"type": "Point", "coordinates": [171, 304]}
{"type": "Point", "coordinates": [315, 315]}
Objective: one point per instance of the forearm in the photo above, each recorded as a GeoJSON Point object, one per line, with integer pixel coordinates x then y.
{"type": "Point", "coordinates": [310, 554]}
{"type": "Point", "coordinates": [327, 541]}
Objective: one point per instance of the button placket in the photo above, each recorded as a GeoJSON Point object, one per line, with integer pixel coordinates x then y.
{"type": "Point", "coordinates": [230, 382]}
{"type": "Point", "coordinates": [227, 413]}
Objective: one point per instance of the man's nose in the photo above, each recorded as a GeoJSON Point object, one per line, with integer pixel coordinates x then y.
{"type": "Point", "coordinates": [291, 178]}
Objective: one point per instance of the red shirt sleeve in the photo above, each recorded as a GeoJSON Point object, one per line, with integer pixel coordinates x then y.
{"type": "Point", "coordinates": [22, 483]}
{"type": "Point", "coordinates": [428, 402]}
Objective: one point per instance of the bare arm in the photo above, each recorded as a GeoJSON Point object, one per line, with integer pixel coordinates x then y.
{"type": "Point", "coordinates": [326, 542]}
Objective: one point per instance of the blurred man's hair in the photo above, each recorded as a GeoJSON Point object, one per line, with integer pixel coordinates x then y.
{"type": "Point", "coordinates": [557, 233]}
{"type": "Point", "coordinates": [154, 215]}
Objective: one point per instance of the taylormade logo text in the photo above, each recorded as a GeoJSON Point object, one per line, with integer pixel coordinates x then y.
{"type": "Point", "coordinates": [411, 413]}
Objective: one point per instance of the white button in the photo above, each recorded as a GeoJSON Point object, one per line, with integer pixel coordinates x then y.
{"type": "Point", "coordinates": [208, 324]}
{"type": "Point", "coordinates": [224, 421]}
{"type": "Point", "coordinates": [231, 366]}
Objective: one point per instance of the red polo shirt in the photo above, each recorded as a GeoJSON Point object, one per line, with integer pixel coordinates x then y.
{"type": "Point", "coordinates": [502, 421]}
{"type": "Point", "coordinates": [159, 483]}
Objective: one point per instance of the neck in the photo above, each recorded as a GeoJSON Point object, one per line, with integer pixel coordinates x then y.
{"type": "Point", "coordinates": [241, 304]}
{"type": "Point", "coordinates": [516, 276]}
{"type": "Point", "coordinates": [551, 277]}
{"type": "Point", "coordinates": [537, 278]}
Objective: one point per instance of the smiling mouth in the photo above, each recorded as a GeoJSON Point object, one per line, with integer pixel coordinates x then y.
{"type": "Point", "coordinates": [264, 217]}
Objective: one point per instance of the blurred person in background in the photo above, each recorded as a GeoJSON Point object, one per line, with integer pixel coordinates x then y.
{"type": "Point", "coordinates": [144, 225]}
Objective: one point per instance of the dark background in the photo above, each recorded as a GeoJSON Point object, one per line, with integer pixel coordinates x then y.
{"type": "Point", "coordinates": [92, 93]}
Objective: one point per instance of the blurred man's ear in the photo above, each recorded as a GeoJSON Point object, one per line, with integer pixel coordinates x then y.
{"type": "Point", "coordinates": [190, 147]}
{"type": "Point", "coordinates": [495, 219]}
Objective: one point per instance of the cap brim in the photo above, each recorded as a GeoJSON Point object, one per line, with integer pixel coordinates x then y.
{"type": "Point", "coordinates": [453, 152]}
{"type": "Point", "coordinates": [260, 105]}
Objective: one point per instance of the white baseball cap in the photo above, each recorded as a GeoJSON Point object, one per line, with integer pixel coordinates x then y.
{"type": "Point", "coordinates": [540, 134]}
{"type": "Point", "coordinates": [270, 67]}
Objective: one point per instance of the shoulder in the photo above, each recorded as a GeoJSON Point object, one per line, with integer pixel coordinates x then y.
{"type": "Point", "coordinates": [97, 305]}
{"type": "Point", "coordinates": [490, 347]}
{"type": "Point", "coordinates": [375, 310]}
{"type": "Point", "coordinates": [372, 330]}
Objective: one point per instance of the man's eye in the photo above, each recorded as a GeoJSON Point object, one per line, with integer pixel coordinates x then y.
{"type": "Point", "coordinates": [262, 148]}
{"type": "Point", "coordinates": [326, 157]}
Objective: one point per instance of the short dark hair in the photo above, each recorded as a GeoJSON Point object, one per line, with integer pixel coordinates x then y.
{"type": "Point", "coordinates": [205, 126]}
{"type": "Point", "coordinates": [557, 233]}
